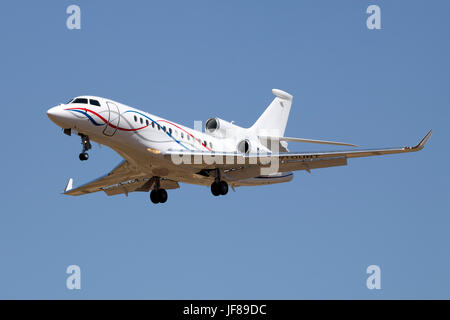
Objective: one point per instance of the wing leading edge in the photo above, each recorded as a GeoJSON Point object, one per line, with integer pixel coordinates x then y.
{"type": "Point", "coordinates": [289, 139]}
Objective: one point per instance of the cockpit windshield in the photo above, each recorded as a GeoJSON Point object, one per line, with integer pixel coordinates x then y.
{"type": "Point", "coordinates": [94, 102]}
{"type": "Point", "coordinates": [85, 101]}
{"type": "Point", "coordinates": [80, 100]}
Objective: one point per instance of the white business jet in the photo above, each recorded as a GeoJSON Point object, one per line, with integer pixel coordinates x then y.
{"type": "Point", "coordinates": [158, 154]}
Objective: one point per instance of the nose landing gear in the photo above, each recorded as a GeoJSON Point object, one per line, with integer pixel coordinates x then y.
{"type": "Point", "coordinates": [86, 146]}
{"type": "Point", "coordinates": [83, 156]}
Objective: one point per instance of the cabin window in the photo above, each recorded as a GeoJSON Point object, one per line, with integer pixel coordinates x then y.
{"type": "Point", "coordinates": [182, 135]}
{"type": "Point", "coordinates": [135, 118]}
{"type": "Point", "coordinates": [188, 137]}
{"type": "Point", "coordinates": [142, 121]}
{"type": "Point", "coordinates": [80, 100]}
{"type": "Point", "coordinates": [94, 102]}
{"type": "Point", "coordinates": [210, 145]}
{"type": "Point", "coordinates": [170, 130]}
{"type": "Point", "coordinates": [153, 124]}
{"type": "Point", "coordinates": [205, 143]}
{"type": "Point", "coordinates": [146, 122]}
{"type": "Point", "coordinates": [158, 126]}
{"type": "Point", "coordinates": [164, 128]}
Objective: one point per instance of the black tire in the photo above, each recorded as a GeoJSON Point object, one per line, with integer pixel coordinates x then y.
{"type": "Point", "coordinates": [162, 195]}
{"type": "Point", "coordinates": [223, 187]}
{"type": "Point", "coordinates": [154, 196]}
{"type": "Point", "coordinates": [215, 189]}
{"type": "Point", "coordinates": [83, 156]}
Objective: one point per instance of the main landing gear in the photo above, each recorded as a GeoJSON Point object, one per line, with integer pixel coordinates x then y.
{"type": "Point", "coordinates": [158, 195]}
{"type": "Point", "coordinates": [86, 146]}
{"type": "Point", "coordinates": [219, 187]}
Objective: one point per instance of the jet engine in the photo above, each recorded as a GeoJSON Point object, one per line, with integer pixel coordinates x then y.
{"type": "Point", "coordinates": [244, 146]}
{"type": "Point", "coordinates": [221, 128]}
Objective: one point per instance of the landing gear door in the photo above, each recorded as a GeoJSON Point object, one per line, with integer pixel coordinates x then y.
{"type": "Point", "coordinates": [113, 119]}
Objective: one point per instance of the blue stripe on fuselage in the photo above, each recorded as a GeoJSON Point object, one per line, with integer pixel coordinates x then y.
{"type": "Point", "coordinates": [177, 141]}
{"type": "Point", "coordinates": [89, 117]}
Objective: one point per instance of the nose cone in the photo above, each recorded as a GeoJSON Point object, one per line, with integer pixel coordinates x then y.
{"type": "Point", "coordinates": [58, 115]}
{"type": "Point", "coordinates": [52, 112]}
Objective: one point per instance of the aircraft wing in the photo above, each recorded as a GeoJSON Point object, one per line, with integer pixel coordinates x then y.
{"type": "Point", "coordinates": [122, 179]}
{"type": "Point", "coordinates": [307, 141]}
{"type": "Point", "coordinates": [287, 161]}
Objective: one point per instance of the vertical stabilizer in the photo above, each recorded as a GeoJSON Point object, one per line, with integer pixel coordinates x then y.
{"type": "Point", "coordinates": [273, 121]}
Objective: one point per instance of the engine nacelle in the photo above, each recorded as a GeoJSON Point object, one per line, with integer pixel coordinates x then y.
{"type": "Point", "coordinates": [244, 146]}
{"type": "Point", "coordinates": [221, 128]}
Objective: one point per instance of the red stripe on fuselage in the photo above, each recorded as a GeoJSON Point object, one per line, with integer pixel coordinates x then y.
{"type": "Point", "coordinates": [136, 129]}
{"type": "Point", "coordinates": [106, 121]}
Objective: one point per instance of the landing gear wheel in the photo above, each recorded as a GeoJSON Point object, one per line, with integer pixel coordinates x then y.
{"type": "Point", "coordinates": [83, 156]}
{"type": "Point", "coordinates": [223, 188]}
{"type": "Point", "coordinates": [154, 196]}
{"type": "Point", "coordinates": [215, 189]}
{"type": "Point", "coordinates": [158, 196]}
{"type": "Point", "coordinates": [162, 195]}
{"type": "Point", "coordinates": [86, 146]}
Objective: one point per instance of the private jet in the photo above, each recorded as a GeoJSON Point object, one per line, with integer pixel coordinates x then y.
{"type": "Point", "coordinates": [158, 154]}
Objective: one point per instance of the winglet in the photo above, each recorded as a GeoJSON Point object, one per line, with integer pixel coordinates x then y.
{"type": "Point", "coordinates": [424, 141]}
{"type": "Point", "coordinates": [69, 185]}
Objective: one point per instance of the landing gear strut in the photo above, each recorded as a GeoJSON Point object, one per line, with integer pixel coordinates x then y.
{"type": "Point", "coordinates": [158, 195]}
{"type": "Point", "coordinates": [219, 187]}
{"type": "Point", "coordinates": [86, 146]}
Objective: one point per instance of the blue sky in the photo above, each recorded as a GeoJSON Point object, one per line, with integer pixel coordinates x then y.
{"type": "Point", "coordinates": [186, 61]}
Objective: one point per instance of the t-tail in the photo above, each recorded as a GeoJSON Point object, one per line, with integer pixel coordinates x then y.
{"type": "Point", "coordinates": [272, 124]}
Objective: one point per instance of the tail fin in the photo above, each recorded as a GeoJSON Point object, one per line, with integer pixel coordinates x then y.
{"type": "Point", "coordinates": [275, 118]}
